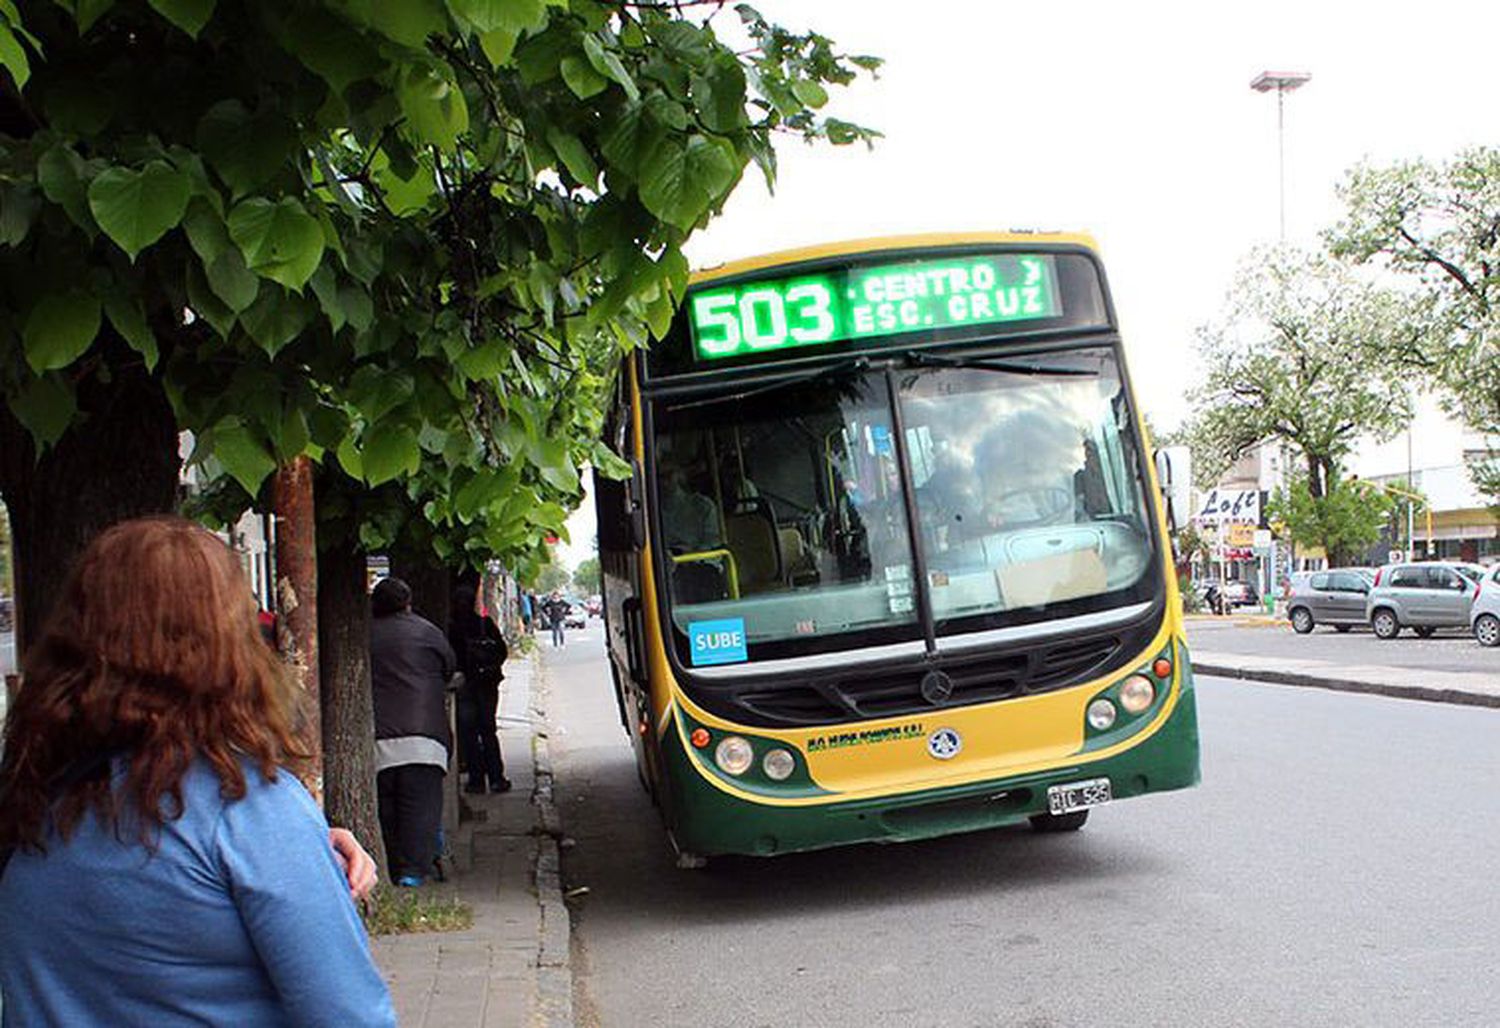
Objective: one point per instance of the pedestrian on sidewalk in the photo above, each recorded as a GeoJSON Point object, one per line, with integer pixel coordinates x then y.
{"type": "Point", "coordinates": [165, 866]}
{"type": "Point", "coordinates": [557, 617]}
{"type": "Point", "coordinates": [482, 653]}
{"type": "Point", "coordinates": [410, 665]}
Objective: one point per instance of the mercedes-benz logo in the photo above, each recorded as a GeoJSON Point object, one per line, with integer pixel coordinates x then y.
{"type": "Point", "coordinates": [936, 687]}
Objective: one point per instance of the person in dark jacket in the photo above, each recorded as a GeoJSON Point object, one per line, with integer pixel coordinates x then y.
{"type": "Point", "coordinates": [481, 653]}
{"type": "Point", "coordinates": [410, 664]}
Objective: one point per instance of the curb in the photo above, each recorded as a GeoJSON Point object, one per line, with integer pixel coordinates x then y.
{"type": "Point", "coordinates": [1400, 692]}
{"type": "Point", "coordinates": [554, 971]}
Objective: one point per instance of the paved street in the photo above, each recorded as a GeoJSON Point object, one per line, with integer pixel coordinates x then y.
{"type": "Point", "coordinates": [1335, 868]}
{"type": "Point", "coordinates": [1449, 650]}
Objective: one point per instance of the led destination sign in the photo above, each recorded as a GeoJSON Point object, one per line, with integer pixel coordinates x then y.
{"type": "Point", "coordinates": [871, 301]}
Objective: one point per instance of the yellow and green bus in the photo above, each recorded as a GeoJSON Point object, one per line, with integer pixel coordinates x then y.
{"type": "Point", "coordinates": [893, 560]}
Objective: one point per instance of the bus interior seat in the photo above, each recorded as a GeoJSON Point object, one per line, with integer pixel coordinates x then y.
{"type": "Point", "coordinates": [801, 568]}
{"type": "Point", "coordinates": [751, 534]}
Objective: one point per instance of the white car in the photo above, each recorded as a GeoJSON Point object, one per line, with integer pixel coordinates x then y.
{"type": "Point", "coordinates": [1484, 617]}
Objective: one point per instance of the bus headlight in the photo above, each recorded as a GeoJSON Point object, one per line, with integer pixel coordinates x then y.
{"type": "Point", "coordinates": [778, 765]}
{"type": "Point", "coordinates": [734, 755]}
{"type": "Point", "coordinates": [1101, 714]}
{"type": "Point", "coordinates": [1137, 693]}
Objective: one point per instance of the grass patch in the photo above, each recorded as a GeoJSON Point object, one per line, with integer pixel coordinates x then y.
{"type": "Point", "coordinates": [408, 911]}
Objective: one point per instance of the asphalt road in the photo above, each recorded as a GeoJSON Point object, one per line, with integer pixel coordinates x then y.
{"type": "Point", "coordinates": [1449, 650]}
{"type": "Point", "coordinates": [1336, 867]}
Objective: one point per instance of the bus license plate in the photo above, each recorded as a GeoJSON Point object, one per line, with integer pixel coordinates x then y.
{"type": "Point", "coordinates": [1071, 796]}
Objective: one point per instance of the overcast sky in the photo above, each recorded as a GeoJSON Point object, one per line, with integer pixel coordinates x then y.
{"type": "Point", "coordinates": [1132, 121]}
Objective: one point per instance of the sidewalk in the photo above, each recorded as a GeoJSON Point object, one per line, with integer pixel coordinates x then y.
{"type": "Point", "coordinates": [1471, 688]}
{"type": "Point", "coordinates": [511, 968]}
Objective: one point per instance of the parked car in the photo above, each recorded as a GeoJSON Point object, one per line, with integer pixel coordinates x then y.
{"type": "Point", "coordinates": [1334, 598]}
{"type": "Point", "coordinates": [576, 617]}
{"type": "Point", "coordinates": [1484, 616]}
{"type": "Point", "coordinates": [1423, 597]}
{"type": "Point", "coordinates": [1240, 594]}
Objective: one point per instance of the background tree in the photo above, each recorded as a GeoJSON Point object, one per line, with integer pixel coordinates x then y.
{"type": "Point", "coordinates": [1344, 522]}
{"type": "Point", "coordinates": [1438, 226]}
{"type": "Point", "coordinates": [1300, 357]}
{"type": "Point", "coordinates": [586, 576]}
{"type": "Point", "coordinates": [551, 577]}
{"type": "Point", "coordinates": [409, 241]}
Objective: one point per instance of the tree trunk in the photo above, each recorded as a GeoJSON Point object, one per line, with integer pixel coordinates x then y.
{"type": "Point", "coordinates": [297, 596]}
{"type": "Point", "coordinates": [431, 587]}
{"type": "Point", "coordinates": [348, 710]}
{"type": "Point", "coordinates": [119, 460]}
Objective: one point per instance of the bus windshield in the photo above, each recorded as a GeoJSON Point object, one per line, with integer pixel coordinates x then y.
{"type": "Point", "coordinates": [1026, 481]}
{"type": "Point", "coordinates": [784, 518]}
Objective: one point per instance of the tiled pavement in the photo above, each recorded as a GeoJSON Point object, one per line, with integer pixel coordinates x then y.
{"type": "Point", "coordinates": [510, 968]}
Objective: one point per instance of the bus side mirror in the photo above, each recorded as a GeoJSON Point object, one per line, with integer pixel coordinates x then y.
{"type": "Point", "coordinates": [1163, 461]}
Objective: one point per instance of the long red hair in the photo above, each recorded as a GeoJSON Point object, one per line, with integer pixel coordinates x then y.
{"type": "Point", "coordinates": [153, 654]}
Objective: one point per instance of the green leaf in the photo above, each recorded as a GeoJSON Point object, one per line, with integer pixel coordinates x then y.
{"type": "Point", "coordinates": [720, 96]}
{"type": "Point", "coordinates": [581, 77]}
{"type": "Point", "coordinates": [516, 16]}
{"type": "Point", "coordinates": [13, 57]}
{"type": "Point", "coordinates": [290, 436]}
{"type": "Point", "coordinates": [405, 195]}
{"type": "Point", "coordinates": [136, 208]}
{"type": "Point", "coordinates": [575, 157]}
{"type": "Point", "coordinates": [634, 136]}
{"type": "Point", "coordinates": [18, 207]}
{"type": "Point", "coordinates": [59, 172]}
{"type": "Point", "coordinates": [242, 453]}
{"type": "Point", "coordinates": [498, 46]}
{"type": "Point", "coordinates": [231, 281]}
{"type": "Point", "coordinates": [205, 303]}
{"type": "Point", "coordinates": [280, 241]}
{"type": "Point", "coordinates": [188, 15]}
{"type": "Point", "coordinates": [329, 426]}
{"type": "Point", "coordinates": [332, 48]}
{"type": "Point", "coordinates": [60, 329]}
{"type": "Point", "coordinates": [679, 183]}
{"type": "Point", "coordinates": [377, 392]}
{"type": "Point", "coordinates": [46, 407]}
{"type": "Point", "coordinates": [349, 458]}
{"type": "Point", "coordinates": [205, 230]}
{"type": "Point", "coordinates": [90, 11]}
{"type": "Point", "coordinates": [608, 64]}
{"type": "Point", "coordinates": [390, 450]}
{"type": "Point", "coordinates": [810, 92]}
{"type": "Point", "coordinates": [125, 314]}
{"type": "Point", "coordinates": [246, 151]}
{"type": "Point", "coordinates": [275, 319]}
{"type": "Point", "coordinates": [326, 288]}
{"type": "Point", "coordinates": [434, 106]}
{"type": "Point", "coordinates": [358, 308]}
{"type": "Point", "coordinates": [408, 22]}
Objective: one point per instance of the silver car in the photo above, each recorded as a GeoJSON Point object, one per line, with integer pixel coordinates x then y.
{"type": "Point", "coordinates": [1484, 617]}
{"type": "Point", "coordinates": [1423, 597]}
{"type": "Point", "coordinates": [1334, 598]}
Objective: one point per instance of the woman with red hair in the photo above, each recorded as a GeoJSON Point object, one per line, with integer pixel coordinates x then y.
{"type": "Point", "coordinates": [166, 866]}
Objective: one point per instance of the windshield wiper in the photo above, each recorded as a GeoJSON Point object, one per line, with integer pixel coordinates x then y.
{"type": "Point", "coordinates": [850, 366]}
{"type": "Point", "coordinates": [928, 359]}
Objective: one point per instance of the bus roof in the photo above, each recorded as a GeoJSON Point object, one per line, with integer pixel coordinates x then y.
{"type": "Point", "coordinates": [881, 243]}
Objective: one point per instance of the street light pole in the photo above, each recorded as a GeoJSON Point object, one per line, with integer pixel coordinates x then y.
{"type": "Point", "coordinates": [1283, 82]}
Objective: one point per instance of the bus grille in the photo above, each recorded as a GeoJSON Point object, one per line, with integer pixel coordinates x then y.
{"type": "Point", "coordinates": [855, 696]}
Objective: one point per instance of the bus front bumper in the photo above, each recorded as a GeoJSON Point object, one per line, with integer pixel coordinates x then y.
{"type": "Point", "coordinates": [706, 821]}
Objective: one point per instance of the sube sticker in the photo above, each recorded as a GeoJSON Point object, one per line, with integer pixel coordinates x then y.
{"type": "Point", "coordinates": [718, 642]}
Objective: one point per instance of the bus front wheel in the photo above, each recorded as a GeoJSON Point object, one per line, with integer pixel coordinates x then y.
{"type": "Point", "coordinates": [1059, 822]}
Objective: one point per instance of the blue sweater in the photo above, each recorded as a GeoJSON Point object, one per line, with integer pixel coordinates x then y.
{"type": "Point", "coordinates": [241, 917]}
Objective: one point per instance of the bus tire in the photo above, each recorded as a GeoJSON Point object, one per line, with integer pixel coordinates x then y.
{"type": "Point", "coordinates": [1059, 822]}
{"type": "Point", "coordinates": [1302, 620]}
{"type": "Point", "coordinates": [1384, 623]}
